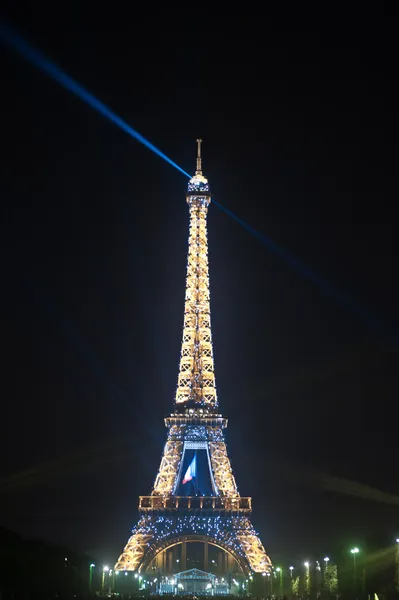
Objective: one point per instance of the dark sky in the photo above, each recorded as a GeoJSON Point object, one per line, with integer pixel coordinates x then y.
{"type": "Point", "coordinates": [299, 142]}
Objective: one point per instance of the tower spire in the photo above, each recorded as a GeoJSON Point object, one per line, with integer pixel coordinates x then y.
{"type": "Point", "coordinates": [196, 381]}
{"type": "Point", "coordinates": [198, 170]}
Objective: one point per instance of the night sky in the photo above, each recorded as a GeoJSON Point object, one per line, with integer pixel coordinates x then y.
{"type": "Point", "coordinates": [299, 143]}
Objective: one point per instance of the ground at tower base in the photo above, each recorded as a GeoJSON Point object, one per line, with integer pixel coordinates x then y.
{"type": "Point", "coordinates": [361, 573]}
{"type": "Point", "coordinates": [51, 572]}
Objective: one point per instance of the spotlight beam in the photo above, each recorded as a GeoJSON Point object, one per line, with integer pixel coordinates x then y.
{"type": "Point", "coordinates": [36, 58]}
{"type": "Point", "coordinates": [326, 287]}
{"type": "Point", "coordinates": [39, 60]}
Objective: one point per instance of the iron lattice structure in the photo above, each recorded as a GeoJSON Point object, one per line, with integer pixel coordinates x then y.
{"type": "Point", "coordinates": [222, 518]}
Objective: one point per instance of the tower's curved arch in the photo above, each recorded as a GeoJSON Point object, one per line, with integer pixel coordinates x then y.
{"type": "Point", "coordinates": [168, 543]}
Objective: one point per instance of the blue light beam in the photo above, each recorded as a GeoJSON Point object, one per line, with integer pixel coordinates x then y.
{"type": "Point", "coordinates": [340, 296]}
{"type": "Point", "coordinates": [19, 45]}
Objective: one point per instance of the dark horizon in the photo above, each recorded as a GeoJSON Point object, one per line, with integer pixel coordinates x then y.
{"type": "Point", "coordinates": [298, 144]}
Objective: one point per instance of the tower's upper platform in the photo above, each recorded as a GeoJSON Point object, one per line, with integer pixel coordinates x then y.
{"type": "Point", "coordinates": [198, 186]}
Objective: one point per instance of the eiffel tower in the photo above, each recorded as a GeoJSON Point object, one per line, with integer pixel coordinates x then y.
{"type": "Point", "coordinates": [195, 497]}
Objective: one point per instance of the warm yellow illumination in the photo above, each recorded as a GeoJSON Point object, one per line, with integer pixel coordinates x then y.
{"type": "Point", "coordinates": [196, 379]}
{"type": "Point", "coordinates": [168, 518]}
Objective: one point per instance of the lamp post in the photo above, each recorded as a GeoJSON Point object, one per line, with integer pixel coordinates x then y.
{"type": "Point", "coordinates": [307, 577]}
{"type": "Point", "coordinates": [91, 576]}
{"type": "Point", "coordinates": [354, 551]}
{"type": "Point", "coordinates": [105, 570]}
{"type": "Point", "coordinates": [264, 583]}
{"type": "Point", "coordinates": [291, 568]}
{"type": "Point", "coordinates": [114, 574]}
{"type": "Point", "coordinates": [111, 579]}
{"type": "Point", "coordinates": [279, 570]}
{"type": "Point", "coordinates": [326, 561]}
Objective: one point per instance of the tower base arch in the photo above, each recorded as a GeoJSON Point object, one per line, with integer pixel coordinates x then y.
{"type": "Point", "coordinates": [234, 536]}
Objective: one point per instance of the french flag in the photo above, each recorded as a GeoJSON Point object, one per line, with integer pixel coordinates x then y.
{"type": "Point", "coordinates": [191, 471]}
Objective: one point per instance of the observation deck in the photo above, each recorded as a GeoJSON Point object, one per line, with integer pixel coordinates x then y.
{"type": "Point", "coordinates": [195, 505]}
{"type": "Point", "coordinates": [194, 417]}
{"type": "Point", "coordinates": [198, 192]}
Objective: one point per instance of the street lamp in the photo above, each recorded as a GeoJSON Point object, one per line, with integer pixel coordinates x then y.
{"type": "Point", "coordinates": [91, 575]}
{"type": "Point", "coordinates": [326, 561]}
{"type": "Point", "coordinates": [291, 569]}
{"type": "Point", "coordinates": [114, 574]}
{"type": "Point", "coordinates": [354, 551]}
{"type": "Point", "coordinates": [270, 576]}
{"type": "Point", "coordinates": [307, 577]}
{"type": "Point", "coordinates": [264, 583]}
{"type": "Point", "coordinates": [105, 570]}
{"type": "Point", "coordinates": [280, 571]}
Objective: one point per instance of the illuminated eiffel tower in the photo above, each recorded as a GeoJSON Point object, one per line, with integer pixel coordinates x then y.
{"type": "Point", "coordinates": [195, 502]}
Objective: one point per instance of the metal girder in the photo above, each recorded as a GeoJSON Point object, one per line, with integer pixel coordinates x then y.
{"type": "Point", "coordinates": [222, 471]}
{"type": "Point", "coordinates": [254, 551]}
{"type": "Point", "coordinates": [134, 551]}
{"type": "Point", "coordinates": [169, 468]}
{"type": "Point", "coordinates": [196, 379]}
